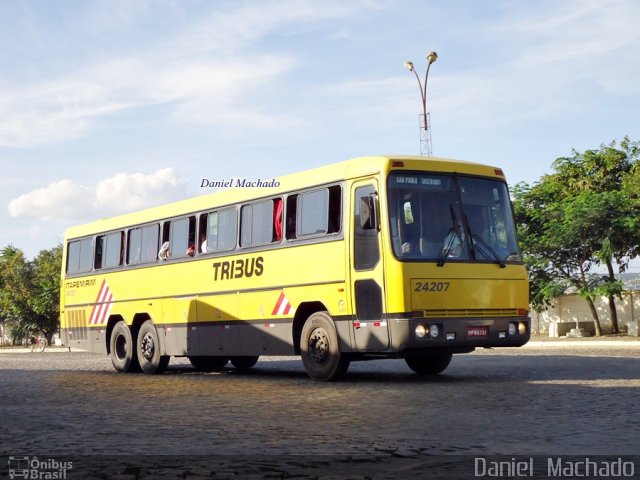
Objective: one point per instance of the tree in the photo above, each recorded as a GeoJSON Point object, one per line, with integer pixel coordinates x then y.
{"type": "Point", "coordinates": [580, 216]}
{"type": "Point", "coordinates": [46, 298]}
{"type": "Point", "coordinates": [16, 275]}
{"type": "Point", "coordinates": [553, 266]}
{"type": "Point", "coordinates": [30, 292]}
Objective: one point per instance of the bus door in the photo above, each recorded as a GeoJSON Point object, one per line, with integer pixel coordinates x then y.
{"type": "Point", "coordinates": [370, 328]}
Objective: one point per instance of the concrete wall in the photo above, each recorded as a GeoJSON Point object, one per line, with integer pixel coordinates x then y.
{"type": "Point", "coordinates": [569, 309]}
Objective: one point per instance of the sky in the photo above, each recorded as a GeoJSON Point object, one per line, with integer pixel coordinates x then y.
{"type": "Point", "coordinates": [109, 106]}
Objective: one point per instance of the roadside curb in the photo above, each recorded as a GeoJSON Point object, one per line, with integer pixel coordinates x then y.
{"type": "Point", "coordinates": [46, 350]}
{"type": "Point", "coordinates": [583, 344]}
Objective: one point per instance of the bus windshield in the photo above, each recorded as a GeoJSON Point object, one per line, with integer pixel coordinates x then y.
{"type": "Point", "coordinates": [442, 218]}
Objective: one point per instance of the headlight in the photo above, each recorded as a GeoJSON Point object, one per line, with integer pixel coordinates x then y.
{"type": "Point", "coordinates": [512, 329]}
{"type": "Point", "coordinates": [434, 331]}
{"type": "Point", "coordinates": [421, 331]}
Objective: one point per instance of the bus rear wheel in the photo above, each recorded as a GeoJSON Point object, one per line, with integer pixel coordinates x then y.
{"type": "Point", "coordinates": [208, 363]}
{"type": "Point", "coordinates": [428, 364]}
{"type": "Point", "coordinates": [244, 363]}
{"type": "Point", "coordinates": [320, 350]}
{"type": "Point", "coordinates": [122, 349]}
{"type": "Point", "coordinates": [148, 350]}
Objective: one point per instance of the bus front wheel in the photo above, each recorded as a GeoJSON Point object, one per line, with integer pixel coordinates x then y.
{"type": "Point", "coordinates": [428, 364]}
{"type": "Point", "coordinates": [122, 350]}
{"type": "Point", "coordinates": [148, 350]}
{"type": "Point", "coordinates": [320, 350]}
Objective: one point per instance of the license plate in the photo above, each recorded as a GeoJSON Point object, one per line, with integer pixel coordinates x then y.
{"type": "Point", "coordinates": [477, 331]}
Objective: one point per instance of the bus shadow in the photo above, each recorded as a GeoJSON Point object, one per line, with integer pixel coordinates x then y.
{"type": "Point", "coordinates": [463, 369]}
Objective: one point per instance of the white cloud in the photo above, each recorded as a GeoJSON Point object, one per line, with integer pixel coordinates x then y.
{"type": "Point", "coordinates": [210, 71]}
{"type": "Point", "coordinates": [128, 192]}
{"type": "Point", "coordinates": [124, 192]}
{"type": "Point", "coordinates": [62, 199]}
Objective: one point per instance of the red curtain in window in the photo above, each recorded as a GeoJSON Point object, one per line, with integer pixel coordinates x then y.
{"type": "Point", "coordinates": [277, 218]}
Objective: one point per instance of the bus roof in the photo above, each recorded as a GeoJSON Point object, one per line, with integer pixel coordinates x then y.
{"type": "Point", "coordinates": [353, 168]}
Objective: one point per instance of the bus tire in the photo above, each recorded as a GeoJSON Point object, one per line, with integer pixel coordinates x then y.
{"type": "Point", "coordinates": [244, 363]}
{"type": "Point", "coordinates": [428, 364]}
{"type": "Point", "coordinates": [320, 350]}
{"type": "Point", "coordinates": [148, 350]}
{"type": "Point", "coordinates": [122, 350]}
{"type": "Point", "coordinates": [208, 363]}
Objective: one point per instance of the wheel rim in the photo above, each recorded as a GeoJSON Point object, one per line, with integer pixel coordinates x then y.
{"type": "Point", "coordinates": [121, 347]}
{"type": "Point", "coordinates": [148, 346]}
{"type": "Point", "coordinates": [319, 346]}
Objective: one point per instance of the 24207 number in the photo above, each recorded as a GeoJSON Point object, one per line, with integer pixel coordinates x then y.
{"type": "Point", "coordinates": [431, 286]}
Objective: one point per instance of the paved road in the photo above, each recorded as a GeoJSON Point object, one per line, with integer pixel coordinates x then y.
{"type": "Point", "coordinates": [380, 420]}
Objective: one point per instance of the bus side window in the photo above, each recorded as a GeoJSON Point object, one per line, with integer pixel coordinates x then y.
{"type": "Point", "coordinates": [80, 255]}
{"type": "Point", "coordinates": [150, 238]}
{"type": "Point", "coordinates": [277, 219]}
{"type": "Point", "coordinates": [73, 257]}
{"type": "Point", "coordinates": [143, 244]}
{"type": "Point", "coordinates": [222, 230]}
{"type": "Point", "coordinates": [366, 250]}
{"type": "Point", "coordinates": [313, 213]}
{"type": "Point", "coordinates": [134, 249]}
{"type": "Point", "coordinates": [166, 227]}
{"type": "Point", "coordinates": [292, 204]}
{"type": "Point", "coordinates": [203, 244]}
{"type": "Point", "coordinates": [98, 257]}
{"type": "Point", "coordinates": [256, 227]}
{"type": "Point", "coordinates": [183, 237]}
{"type": "Point", "coordinates": [86, 254]}
{"type": "Point", "coordinates": [112, 256]}
{"type": "Point", "coordinates": [335, 209]}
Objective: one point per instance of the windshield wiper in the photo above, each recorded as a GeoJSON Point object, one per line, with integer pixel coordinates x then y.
{"type": "Point", "coordinates": [449, 239]}
{"type": "Point", "coordinates": [480, 242]}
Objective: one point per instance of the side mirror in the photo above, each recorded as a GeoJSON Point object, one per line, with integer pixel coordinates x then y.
{"type": "Point", "coordinates": [368, 212]}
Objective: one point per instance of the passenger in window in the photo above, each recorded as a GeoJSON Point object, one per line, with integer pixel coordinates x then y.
{"type": "Point", "coordinates": [203, 243]}
{"type": "Point", "coordinates": [407, 248]}
{"type": "Point", "coordinates": [191, 249]}
{"type": "Point", "coordinates": [452, 245]}
{"type": "Point", "coordinates": [164, 252]}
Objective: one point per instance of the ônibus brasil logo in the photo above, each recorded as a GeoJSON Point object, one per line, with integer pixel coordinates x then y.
{"type": "Point", "coordinates": [33, 468]}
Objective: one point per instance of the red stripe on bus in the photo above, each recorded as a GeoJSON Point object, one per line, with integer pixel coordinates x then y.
{"type": "Point", "coordinates": [104, 293]}
{"type": "Point", "coordinates": [278, 303]}
{"type": "Point", "coordinates": [92, 317]}
{"type": "Point", "coordinates": [106, 309]}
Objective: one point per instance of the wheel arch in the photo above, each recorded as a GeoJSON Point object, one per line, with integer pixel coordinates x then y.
{"type": "Point", "coordinates": [113, 319]}
{"type": "Point", "coordinates": [304, 311]}
{"type": "Point", "coordinates": [136, 323]}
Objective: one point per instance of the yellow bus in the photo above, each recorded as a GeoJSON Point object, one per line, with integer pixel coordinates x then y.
{"type": "Point", "coordinates": [375, 257]}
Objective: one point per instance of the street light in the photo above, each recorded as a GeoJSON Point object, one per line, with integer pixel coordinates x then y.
{"type": "Point", "coordinates": [431, 58]}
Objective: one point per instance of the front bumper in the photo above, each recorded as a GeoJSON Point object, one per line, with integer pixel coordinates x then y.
{"type": "Point", "coordinates": [462, 334]}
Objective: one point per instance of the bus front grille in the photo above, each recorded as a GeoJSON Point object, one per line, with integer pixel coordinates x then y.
{"type": "Point", "coordinates": [470, 313]}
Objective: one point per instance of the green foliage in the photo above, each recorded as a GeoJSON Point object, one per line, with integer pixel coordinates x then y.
{"type": "Point", "coordinates": [585, 213]}
{"type": "Point", "coordinates": [30, 292]}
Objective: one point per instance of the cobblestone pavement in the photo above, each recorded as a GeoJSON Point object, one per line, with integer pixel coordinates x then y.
{"type": "Point", "coordinates": [381, 417]}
